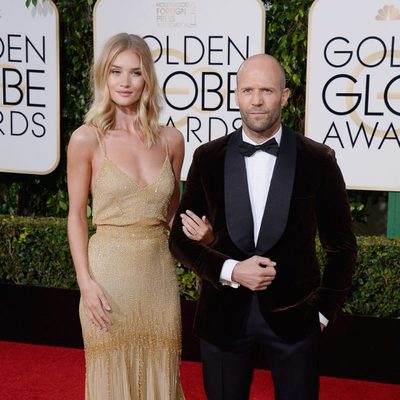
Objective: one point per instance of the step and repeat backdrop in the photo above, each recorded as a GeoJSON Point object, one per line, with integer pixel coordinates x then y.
{"type": "Point", "coordinates": [353, 88]}
{"type": "Point", "coordinates": [197, 47]}
{"type": "Point", "coordinates": [353, 76]}
{"type": "Point", "coordinates": [29, 87]}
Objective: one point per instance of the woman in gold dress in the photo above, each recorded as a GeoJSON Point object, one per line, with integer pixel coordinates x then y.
{"type": "Point", "coordinates": [129, 309]}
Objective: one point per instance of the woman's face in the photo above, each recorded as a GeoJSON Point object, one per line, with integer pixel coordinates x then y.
{"type": "Point", "coordinates": [125, 81]}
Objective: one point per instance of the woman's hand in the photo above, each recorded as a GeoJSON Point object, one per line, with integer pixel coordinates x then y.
{"type": "Point", "coordinates": [95, 304]}
{"type": "Point", "coordinates": [196, 228]}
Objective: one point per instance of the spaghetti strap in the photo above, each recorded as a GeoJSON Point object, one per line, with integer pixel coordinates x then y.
{"type": "Point", "coordinates": [101, 143]}
{"type": "Point", "coordinates": [166, 147]}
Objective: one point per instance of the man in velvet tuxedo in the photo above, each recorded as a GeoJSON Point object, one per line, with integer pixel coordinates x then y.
{"type": "Point", "coordinates": [266, 192]}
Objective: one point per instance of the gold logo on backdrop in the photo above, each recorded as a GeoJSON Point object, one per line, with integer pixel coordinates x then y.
{"type": "Point", "coordinates": [388, 13]}
{"type": "Point", "coordinates": [172, 52]}
{"type": "Point", "coordinates": [357, 72]}
{"type": "Point", "coordinates": [22, 87]}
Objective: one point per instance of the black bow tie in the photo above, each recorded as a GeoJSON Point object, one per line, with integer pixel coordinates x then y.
{"type": "Point", "coordinates": [248, 149]}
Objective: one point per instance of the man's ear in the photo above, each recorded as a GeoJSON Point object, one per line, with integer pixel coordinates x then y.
{"type": "Point", "coordinates": [236, 97]}
{"type": "Point", "coordinates": [285, 96]}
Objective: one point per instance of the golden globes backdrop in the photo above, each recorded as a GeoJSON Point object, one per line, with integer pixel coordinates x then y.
{"type": "Point", "coordinates": [29, 87]}
{"type": "Point", "coordinates": [197, 47]}
{"type": "Point", "coordinates": [353, 88]}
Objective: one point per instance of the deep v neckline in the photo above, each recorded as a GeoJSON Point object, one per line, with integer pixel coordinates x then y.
{"type": "Point", "coordinates": [130, 179]}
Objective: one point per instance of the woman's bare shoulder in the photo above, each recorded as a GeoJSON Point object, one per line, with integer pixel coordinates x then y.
{"type": "Point", "coordinates": [84, 137]}
{"type": "Point", "coordinates": [176, 144]}
{"type": "Point", "coordinates": [85, 134]}
{"type": "Point", "coordinates": [83, 140]}
{"type": "Point", "coordinates": [173, 135]}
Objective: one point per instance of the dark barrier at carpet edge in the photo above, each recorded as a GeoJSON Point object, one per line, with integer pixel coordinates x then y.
{"type": "Point", "coordinates": [355, 347]}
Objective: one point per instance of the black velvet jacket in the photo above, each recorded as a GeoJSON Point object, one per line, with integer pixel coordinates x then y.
{"type": "Point", "coordinates": [307, 194]}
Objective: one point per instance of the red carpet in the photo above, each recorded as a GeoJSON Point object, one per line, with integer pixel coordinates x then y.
{"type": "Point", "coordinates": [30, 372]}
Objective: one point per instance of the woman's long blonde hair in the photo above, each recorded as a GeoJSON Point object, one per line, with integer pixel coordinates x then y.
{"type": "Point", "coordinates": [102, 111]}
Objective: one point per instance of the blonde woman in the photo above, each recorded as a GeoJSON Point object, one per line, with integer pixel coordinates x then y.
{"type": "Point", "coordinates": [129, 309]}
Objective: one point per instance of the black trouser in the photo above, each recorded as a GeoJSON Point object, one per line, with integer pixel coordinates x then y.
{"type": "Point", "coordinates": [228, 374]}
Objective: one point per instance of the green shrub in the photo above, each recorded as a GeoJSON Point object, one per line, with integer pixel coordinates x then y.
{"type": "Point", "coordinates": [376, 283]}
{"type": "Point", "coordinates": [34, 251]}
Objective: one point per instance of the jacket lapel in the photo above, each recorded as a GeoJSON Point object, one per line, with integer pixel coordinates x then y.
{"type": "Point", "coordinates": [239, 218]}
{"type": "Point", "coordinates": [278, 202]}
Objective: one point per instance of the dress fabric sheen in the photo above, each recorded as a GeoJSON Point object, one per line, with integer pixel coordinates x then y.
{"type": "Point", "coordinates": [138, 358]}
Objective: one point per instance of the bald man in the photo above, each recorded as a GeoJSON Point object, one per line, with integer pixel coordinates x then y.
{"type": "Point", "coordinates": [266, 192]}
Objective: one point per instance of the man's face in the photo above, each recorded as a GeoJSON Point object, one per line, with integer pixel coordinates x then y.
{"type": "Point", "coordinates": [260, 96]}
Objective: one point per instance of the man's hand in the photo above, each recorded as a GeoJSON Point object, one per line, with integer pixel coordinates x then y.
{"type": "Point", "coordinates": [255, 273]}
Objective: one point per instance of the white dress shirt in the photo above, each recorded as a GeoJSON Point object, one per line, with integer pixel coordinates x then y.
{"type": "Point", "coordinates": [259, 168]}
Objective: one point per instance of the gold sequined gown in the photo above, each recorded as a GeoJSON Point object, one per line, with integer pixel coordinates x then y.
{"type": "Point", "coordinates": [138, 358]}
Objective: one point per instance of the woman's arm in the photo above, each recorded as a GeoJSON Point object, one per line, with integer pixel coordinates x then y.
{"type": "Point", "coordinates": [195, 228]}
{"type": "Point", "coordinates": [79, 169]}
{"type": "Point", "coordinates": [176, 148]}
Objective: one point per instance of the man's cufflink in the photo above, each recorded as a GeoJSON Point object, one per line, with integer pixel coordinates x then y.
{"type": "Point", "coordinates": [233, 285]}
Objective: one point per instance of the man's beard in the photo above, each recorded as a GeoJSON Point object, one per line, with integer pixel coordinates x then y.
{"type": "Point", "coordinates": [260, 125]}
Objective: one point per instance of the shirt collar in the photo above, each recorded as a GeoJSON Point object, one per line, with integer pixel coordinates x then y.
{"type": "Point", "coordinates": [277, 135]}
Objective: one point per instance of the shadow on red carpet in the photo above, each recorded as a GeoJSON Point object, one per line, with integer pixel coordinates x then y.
{"type": "Point", "coordinates": [32, 372]}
